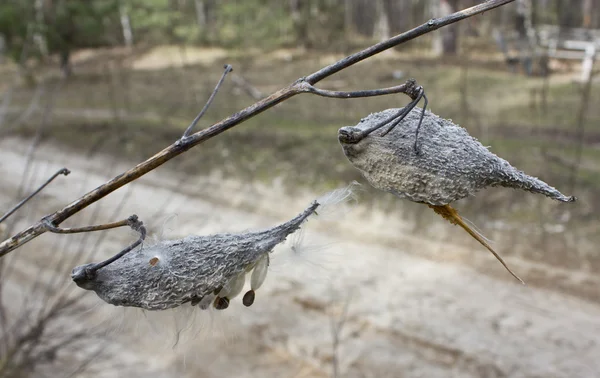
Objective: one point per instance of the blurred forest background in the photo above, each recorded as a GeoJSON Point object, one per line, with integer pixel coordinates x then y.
{"type": "Point", "coordinates": [115, 81]}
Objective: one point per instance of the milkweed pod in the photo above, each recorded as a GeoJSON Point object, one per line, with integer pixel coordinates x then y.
{"type": "Point", "coordinates": [259, 273]}
{"type": "Point", "coordinates": [194, 266]}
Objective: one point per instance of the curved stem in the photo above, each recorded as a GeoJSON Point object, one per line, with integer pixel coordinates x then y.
{"type": "Point", "coordinates": [402, 88]}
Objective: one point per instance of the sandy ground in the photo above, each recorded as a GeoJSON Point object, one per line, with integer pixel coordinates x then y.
{"type": "Point", "coordinates": [413, 310]}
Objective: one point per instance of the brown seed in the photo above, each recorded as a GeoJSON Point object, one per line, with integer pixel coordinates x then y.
{"type": "Point", "coordinates": [154, 261]}
{"type": "Point", "coordinates": [221, 303]}
{"type": "Point", "coordinates": [248, 298]}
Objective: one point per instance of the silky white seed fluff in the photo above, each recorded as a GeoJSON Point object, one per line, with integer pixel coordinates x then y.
{"type": "Point", "coordinates": [309, 255]}
{"type": "Point", "coordinates": [336, 203]}
{"type": "Point", "coordinates": [259, 273]}
{"type": "Point", "coordinates": [172, 330]}
{"type": "Point", "coordinates": [206, 301]}
{"type": "Point", "coordinates": [234, 287]}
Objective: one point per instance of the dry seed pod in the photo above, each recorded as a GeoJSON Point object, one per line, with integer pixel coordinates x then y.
{"type": "Point", "coordinates": [190, 268]}
{"type": "Point", "coordinates": [448, 164]}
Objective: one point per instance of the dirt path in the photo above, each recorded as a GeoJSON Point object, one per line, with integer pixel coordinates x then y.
{"type": "Point", "coordinates": [409, 315]}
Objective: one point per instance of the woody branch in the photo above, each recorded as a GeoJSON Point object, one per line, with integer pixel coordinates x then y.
{"type": "Point", "coordinates": [303, 85]}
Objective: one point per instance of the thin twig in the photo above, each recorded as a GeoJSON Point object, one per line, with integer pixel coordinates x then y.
{"type": "Point", "coordinates": [91, 269]}
{"type": "Point", "coordinates": [403, 88]}
{"type": "Point", "coordinates": [63, 171]}
{"type": "Point", "coordinates": [99, 227]}
{"type": "Point", "coordinates": [180, 146]}
{"type": "Point", "coordinates": [90, 254]}
{"type": "Point", "coordinates": [187, 132]}
{"type": "Point", "coordinates": [416, 147]}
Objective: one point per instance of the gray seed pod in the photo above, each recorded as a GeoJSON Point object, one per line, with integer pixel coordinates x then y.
{"type": "Point", "coordinates": [445, 164]}
{"type": "Point", "coordinates": [450, 164]}
{"type": "Point", "coordinates": [192, 269]}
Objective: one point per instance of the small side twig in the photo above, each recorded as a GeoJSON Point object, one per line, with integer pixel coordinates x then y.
{"type": "Point", "coordinates": [410, 88]}
{"type": "Point", "coordinates": [91, 269]}
{"type": "Point", "coordinates": [402, 88]}
{"type": "Point", "coordinates": [99, 227]}
{"type": "Point", "coordinates": [63, 171]}
{"type": "Point", "coordinates": [188, 131]}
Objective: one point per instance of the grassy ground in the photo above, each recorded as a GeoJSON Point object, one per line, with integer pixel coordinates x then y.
{"type": "Point", "coordinates": [141, 111]}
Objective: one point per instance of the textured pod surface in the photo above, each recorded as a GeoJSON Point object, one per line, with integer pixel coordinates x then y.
{"type": "Point", "coordinates": [449, 165]}
{"type": "Point", "coordinates": [187, 269]}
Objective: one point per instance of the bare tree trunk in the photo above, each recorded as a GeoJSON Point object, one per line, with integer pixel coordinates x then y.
{"type": "Point", "coordinates": [206, 14]}
{"type": "Point", "coordinates": [2, 50]}
{"type": "Point", "coordinates": [526, 41]}
{"type": "Point", "coordinates": [126, 26]}
{"type": "Point", "coordinates": [364, 16]}
{"type": "Point", "coordinates": [299, 11]}
{"type": "Point", "coordinates": [569, 13]}
{"type": "Point", "coordinates": [398, 15]}
{"type": "Point", "coordinates": [39, 40]}
{"type": "Point", "coordinates": [447, 42]}
{"type": "Point", "coordinates": [382, 26]}
{"type": "Point", "coordinates": [200, 13]}
{"type": "Point", "coordinates": [586, 11]}
{"type": "Point", "coordinates": [595, 14]}
{"type": "Point", "coordinates": [348, 25]}
{"type": "Point", "coordinates": [436, 42]}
